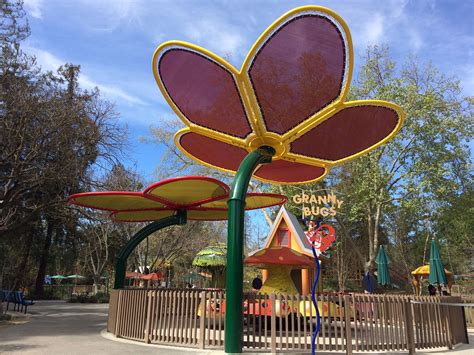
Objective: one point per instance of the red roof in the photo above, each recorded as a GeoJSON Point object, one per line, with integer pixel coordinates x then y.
{"type": "Point", "coordinates": [279, 256]}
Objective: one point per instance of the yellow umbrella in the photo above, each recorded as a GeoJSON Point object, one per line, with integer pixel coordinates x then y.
{"type": "Point", "coordinates": [424, 272]}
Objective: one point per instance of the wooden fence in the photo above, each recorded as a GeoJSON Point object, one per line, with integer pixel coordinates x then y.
{"type": "Point", "coordinates": [195, 318]}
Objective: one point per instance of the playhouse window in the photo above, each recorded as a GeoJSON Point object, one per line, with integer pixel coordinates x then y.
{"type": "Point", "coordinates": [283, 238]}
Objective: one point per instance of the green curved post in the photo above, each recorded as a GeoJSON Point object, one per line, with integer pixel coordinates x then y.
{"type": "Point", "coordinates": [235, 247]}
{"type": "Point", "coordinates": [121, 262]}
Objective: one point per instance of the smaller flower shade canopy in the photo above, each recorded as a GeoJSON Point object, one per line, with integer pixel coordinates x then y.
{"type": "Point", "coordinates": [289, 94]}
{"type": "Point", "coordinates": [204, 198]}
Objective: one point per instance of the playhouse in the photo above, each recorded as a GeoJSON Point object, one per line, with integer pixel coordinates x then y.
{"type": "Point", "coordinates": [286, 232]}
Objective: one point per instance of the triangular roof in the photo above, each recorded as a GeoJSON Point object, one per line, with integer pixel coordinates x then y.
{"type": "Point", "coordinates": [295, 228]}
{"type": "Point", "coordinates": [279, 256]}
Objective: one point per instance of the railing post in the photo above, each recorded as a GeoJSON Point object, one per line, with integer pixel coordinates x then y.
{"type": "Point", "coordinates": [347, 324]}
{"type": "Point", "coordinates": [119, 311]}
{"type": "Point", "coordinates": [202, 331]}
{"type": "Point", "coordinates": [149, 299]}
{"type": "Point", "coordinates": [449, 330]}
{"type": "Point", "coordinates": [273, 324]}
{"type": "Point", "coordinates": [409, 327]}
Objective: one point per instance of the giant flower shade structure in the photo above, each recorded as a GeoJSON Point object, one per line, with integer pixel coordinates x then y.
{"type": "Point", "coordinates": [167, 202]}
{"type": "Point", "coordinates": [289, 95]}
{"type": "Point", "coordinates": [286, 106]}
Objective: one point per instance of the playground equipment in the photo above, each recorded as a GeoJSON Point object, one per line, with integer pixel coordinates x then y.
{"type": "Point", "coordinates": [213, 259]}
{"type": "Point", "coordinates": [282, 117]}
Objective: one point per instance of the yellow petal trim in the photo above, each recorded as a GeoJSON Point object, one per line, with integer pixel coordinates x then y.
{"type": "Point", "coordinates": [112, 201]}
{"type": "Point", "coordinates": [187, 191]}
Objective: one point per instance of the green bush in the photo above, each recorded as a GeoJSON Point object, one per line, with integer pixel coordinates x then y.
{"type": "Point", "coordinates": [58, 292]}
{"type": "Point", "coordinates": [100, 297]}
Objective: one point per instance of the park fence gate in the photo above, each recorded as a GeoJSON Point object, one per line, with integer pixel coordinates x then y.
{"type": "Point", "coordinates": [359, 322]}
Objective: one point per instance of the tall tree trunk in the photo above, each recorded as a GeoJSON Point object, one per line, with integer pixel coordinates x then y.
{"type": "Point", "coordinates": [24, 260]}
{"type": "Point", "coordinates": [373, 224]}
{"type": "Point", "coordinates": [39, 284]}
{"type": "Point", "coordinates": [370, 232]}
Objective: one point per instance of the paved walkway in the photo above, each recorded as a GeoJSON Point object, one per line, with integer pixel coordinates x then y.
{"type": "Point", "coordinates": [58, 327]}
{"type": "Point", "coordinates": [67, 328]}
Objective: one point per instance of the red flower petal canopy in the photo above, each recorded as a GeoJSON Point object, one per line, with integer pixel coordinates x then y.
{"type": "Point", "coordinates": [204, 198]}
{"type": "Point", "coordinates": [289, 95]}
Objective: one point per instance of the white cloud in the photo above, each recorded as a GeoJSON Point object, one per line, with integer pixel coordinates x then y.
{"type": "Point", "coordinates": [416, 41]}
{"type": "Point", "coordinates": [33, 8]}
{"type": "Point", "coordinates": [374, 29]}
{"type": "Point", "coordinates": [109, 90]}
{"type": "Point", "coordinates": [49, 61]}
{"type": "Point", "coordinates": [113, 14]}
{"type": "Point", "coordinates": [214, 35]}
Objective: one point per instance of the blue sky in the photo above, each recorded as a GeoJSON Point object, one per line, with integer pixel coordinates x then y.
{"type": "Point", "coordinates": [114, 40]}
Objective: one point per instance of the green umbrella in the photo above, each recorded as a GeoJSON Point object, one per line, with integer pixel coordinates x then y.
{"type": "Point", "coordinates": [57, 277]}
{"type": "Point", "coordinates": [437, 273]}
{"type": "Point", "coordinates": [383, 275]}
{"type": "Point", "coordinates": [76, 277]}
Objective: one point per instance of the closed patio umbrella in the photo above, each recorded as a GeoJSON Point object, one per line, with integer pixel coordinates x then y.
{"type": "Point", "coordinates": [383, 274]}
{"type": "Point", "coordinates": [437, 274]}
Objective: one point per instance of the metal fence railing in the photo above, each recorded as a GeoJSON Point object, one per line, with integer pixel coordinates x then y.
{"type": "Point", "coordinates": [357, 322]}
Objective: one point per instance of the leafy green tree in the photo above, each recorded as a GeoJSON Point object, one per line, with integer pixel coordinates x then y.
{"type": "Point", "coordinates": [427, 161]}
{"type": "Point", "coordinates": [389, 192]}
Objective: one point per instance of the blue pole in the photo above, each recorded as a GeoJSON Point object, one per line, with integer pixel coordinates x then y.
{"type": "Point", "coordinates": [313, 297]}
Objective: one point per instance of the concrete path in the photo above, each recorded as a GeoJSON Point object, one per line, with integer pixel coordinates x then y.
{"type": "Point", "coordinates": [57, 327]}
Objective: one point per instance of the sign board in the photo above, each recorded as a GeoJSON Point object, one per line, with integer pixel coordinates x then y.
{"type": "Point", "coordinates": [318, 205]}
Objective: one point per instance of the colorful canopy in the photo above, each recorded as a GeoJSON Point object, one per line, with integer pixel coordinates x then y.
{"type": "Point", "coordinates": [204, 198]}
{"type": "Point", "coordinates": [133, 275]}
{"type": "Point", "coordinates": [75, 276]}
{"type": "Point", "coordinates": [289, 94]}
{"type": "Point", "coordinates": [437, 273]}
{"type": "Point", "coordinates": [211, 256]}
{"type": "Point", "coordinates": [279, 256]}
{"type": "Point", "coordinates": [383, 274]}
{"type": "Point", "coordinates": [152, 276]}
{"type": "Point", "coordinates": [425, 271]}
{"type": "Point", "coordinates": [58, 277]}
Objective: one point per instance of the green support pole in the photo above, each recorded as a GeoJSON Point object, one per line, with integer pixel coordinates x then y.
{"type": "Point", "coordinates": [235, 247]}
{"type": "Point", "coordinates": [121, 262]}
